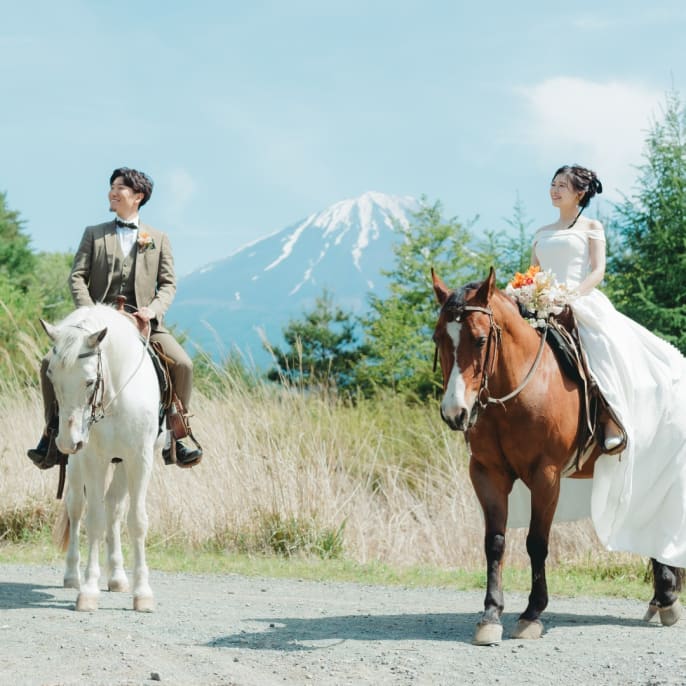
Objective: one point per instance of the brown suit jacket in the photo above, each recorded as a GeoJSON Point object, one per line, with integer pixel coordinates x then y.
{"type": "Point", "coordinates": [91, 273]}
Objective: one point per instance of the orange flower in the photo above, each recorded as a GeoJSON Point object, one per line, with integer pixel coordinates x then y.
{"type": "Point", "coordinates": [145, 241]}
{"type": "Point", "coordinates": [526, 279]}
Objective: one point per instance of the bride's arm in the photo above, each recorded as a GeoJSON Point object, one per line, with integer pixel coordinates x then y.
{"type": "Point", "coordinates": [596, 258]}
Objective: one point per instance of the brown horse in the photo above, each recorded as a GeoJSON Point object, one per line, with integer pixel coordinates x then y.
{"type": "Point", "coordinates": [504, 388]}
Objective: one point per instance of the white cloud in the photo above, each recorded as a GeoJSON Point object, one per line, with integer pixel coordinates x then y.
{"type": "Point", "coordinates": [179, 191]}
{"type": "Point", "coordinates": [600, 125]}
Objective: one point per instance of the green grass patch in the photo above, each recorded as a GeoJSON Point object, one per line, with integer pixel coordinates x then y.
{"type": "Point", "coordinates": [623, 581]}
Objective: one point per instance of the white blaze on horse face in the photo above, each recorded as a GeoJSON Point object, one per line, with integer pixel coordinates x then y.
{"type": "Point", "coordinates": [454, 401]}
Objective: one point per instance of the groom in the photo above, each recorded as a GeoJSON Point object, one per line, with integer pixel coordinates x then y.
{"type": "Point", "coordinates": [125, 257]}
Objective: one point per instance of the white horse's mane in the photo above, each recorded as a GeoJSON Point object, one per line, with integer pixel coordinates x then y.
{"type": "Point", "coordinates": [87, 320]}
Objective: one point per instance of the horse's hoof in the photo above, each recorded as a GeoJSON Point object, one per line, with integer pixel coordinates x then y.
{"type": "Point", "coordinates": [72, 582]}
{"type": "Point", "coordinates": [528, 629]}
{"type": "Point", "coordinates": [650, 612]}
{"type": "Point", "coordinates": [671, 615]}
{"type": "Point", "coordinates": [143, 603]}
{"type": "Point", "coordinates": [86, 603]}
{"type": "Point", "coordinates": [487, 634]}
{"type": "Point", "coordinates": [118, 586]}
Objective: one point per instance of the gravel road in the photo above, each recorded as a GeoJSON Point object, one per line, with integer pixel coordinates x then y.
{"type": "Point", "coordinates": [230, 629]}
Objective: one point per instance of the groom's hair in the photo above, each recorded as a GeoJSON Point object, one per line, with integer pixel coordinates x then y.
{"type": "Point", "coordinates": [136, 180]}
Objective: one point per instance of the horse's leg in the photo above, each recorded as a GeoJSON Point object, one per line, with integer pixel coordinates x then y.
{"type": "Point", "coordinates": [492, 488]}
{"type": "Point", "coordinates": [115, 501]}
{"type": "Point", "coordinates": [667, 582]}
{"type": "Point", "coordinates": [75, 500]}
{"type": "Point", "coordinates": [138, 476]}
{"type": "Point", "coordinates": [545, 492]}
{"type": "Point", "coordinates": [95, 471]}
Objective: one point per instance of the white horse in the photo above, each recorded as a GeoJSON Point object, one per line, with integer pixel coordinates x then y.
{"type": "Point", "coordinates": [108, 396]}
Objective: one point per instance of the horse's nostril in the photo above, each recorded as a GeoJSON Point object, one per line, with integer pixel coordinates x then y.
{"type": "Point", "coordinates": [79, 445]}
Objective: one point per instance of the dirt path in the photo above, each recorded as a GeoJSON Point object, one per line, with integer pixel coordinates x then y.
{"type": "Point", "coordinates": [211, 630]}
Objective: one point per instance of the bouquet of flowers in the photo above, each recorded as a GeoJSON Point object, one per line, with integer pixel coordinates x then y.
{"type": "Point", "coordinates": [539, 295]}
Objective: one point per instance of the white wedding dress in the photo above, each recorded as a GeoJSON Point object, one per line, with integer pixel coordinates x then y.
{"type": "Point", "coordinates": [638, 498]}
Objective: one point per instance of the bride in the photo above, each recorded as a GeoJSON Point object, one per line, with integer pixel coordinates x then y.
{"type": "Point", "coordinates": [638, 501]}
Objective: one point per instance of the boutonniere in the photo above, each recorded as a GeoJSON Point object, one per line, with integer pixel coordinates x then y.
{"type": "Point", "coordinates": [145, 241]}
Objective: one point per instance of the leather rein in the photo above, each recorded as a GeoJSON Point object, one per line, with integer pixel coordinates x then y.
{"type": "Point", "coordinates": [484, 397]}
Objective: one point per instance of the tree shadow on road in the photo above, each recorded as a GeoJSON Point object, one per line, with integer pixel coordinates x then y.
{"type": "Point", "coordinates": [293, 634]}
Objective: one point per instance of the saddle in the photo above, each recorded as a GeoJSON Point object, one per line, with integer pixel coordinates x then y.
{"type": "Point", "coordinates": [563, 337]}
{"type": "Point", "coordinates": [172, 414]}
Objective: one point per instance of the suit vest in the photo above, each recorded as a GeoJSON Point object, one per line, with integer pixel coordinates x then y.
{"type": "Point", "coordinates": [123, 280]}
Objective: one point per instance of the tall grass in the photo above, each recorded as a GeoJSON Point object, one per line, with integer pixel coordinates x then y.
{"type": "Point", "coordinates": [285, 472]}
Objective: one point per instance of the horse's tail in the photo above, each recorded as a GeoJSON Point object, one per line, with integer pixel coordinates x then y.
{"type": "Point", "coordinates": [60, 532]}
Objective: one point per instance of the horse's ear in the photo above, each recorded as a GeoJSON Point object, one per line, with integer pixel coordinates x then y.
{"type": "Point", "coordinates": [485, 292]}
{"type": "Point", "coordinates": [440, 289]}
{"type": "Point", "coordinates": [95, 338]}
{"type": "Point", "coordinates": [49, 329]}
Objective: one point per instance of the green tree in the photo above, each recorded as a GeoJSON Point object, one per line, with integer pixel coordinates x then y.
{"type": "Point", "coordinates": [322, 348]}
{"type": "Point", "coordinates": [17, 262]}
{"type": "Point", "coordinates": [398, 329]}
{"type": "Point", "coordinates": [31, 286]}
{"type": "Point", "coordinates": [509, 251]}
{"type": "Point", "coordinates": [51, 286]}
{"type": "Point", "coordinates": [647, 270]}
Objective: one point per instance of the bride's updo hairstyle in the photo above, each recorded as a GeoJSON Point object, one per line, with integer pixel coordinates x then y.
{"type": "Point", "coordinates": [584, 181]}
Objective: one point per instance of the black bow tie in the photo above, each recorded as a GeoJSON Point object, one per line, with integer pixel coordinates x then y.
{"type": "Point", "coordinates": [128, 225]}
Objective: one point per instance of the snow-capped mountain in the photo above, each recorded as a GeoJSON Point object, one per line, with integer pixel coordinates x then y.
{"type": "Point", "coordinates": [342, 249]}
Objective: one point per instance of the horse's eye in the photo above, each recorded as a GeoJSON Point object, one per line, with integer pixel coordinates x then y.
{"type": "Point", "coordinates": [90, 383]}
{"type": "Point", "coordinates": [480, 341]}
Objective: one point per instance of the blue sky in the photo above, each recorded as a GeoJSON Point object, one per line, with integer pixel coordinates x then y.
{"type": "Point", "coordinates": [251, 115]}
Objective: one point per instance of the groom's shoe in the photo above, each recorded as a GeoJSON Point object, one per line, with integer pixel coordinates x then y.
{"type": "Point", "coordinates": [46, 455]}
{"type": "Point", "coordinates": [185, 456]}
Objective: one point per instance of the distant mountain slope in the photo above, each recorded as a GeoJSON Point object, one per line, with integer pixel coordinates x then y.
{"type": "Point", "coordinates": [264, 284]}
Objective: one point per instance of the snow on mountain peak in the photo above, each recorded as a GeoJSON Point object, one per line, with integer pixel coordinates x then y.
{"type": "Point", "coordinates": [367, 214]}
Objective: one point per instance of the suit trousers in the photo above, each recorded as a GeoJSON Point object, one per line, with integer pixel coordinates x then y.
{"type": "Point", "coordinates": [181, 372]}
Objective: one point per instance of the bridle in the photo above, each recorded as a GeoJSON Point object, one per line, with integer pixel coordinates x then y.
{"type": "Point", "coordinates": [96, 401]}
{"type": "Point", "coordinates": [484, 397]}
{"type": "Point", "coordinates": [96, 404]}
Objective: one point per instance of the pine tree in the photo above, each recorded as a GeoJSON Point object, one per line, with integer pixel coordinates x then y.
{"type": "Point", "coordinates": [322, 350]}
{"type": "Point", "coordinates": [647, 270]}
{"type": "Point", "coordinates": [17, 262]}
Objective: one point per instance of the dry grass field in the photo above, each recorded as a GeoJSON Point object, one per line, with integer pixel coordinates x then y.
{"type": "Point", "coordinates": [286, 472]}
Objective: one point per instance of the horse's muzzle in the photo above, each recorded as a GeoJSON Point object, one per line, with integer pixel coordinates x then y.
{"type": "Point", "coordinates": [457, 423]}
{"type": "Point", "coordinates": [463, 420]}
{"type": "Point", "coordinates": [69, 448]}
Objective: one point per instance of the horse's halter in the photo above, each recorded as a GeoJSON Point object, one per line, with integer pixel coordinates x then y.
{"type": "Point", "coordinates": [484, 398]}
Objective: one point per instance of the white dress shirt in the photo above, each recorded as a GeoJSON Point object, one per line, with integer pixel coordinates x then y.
{"type": "Point", "coordinates": [127, 237]}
